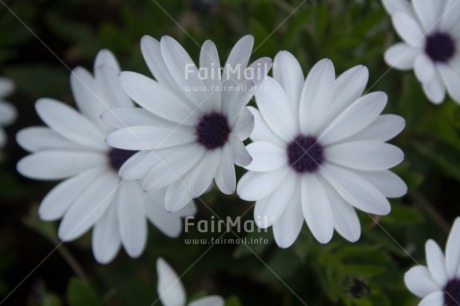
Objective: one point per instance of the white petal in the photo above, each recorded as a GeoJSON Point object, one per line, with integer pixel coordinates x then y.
{"type": "Point", "coordinates": [198, 179]}
{"type": "Point", "coordinates": [316, 209]}
{"type": "Point", "coordinates": [436, 263]}
{"type": "Point", "coordinates": [151, 51]}
{"type": "Point", "coordinates": [451, 79]}
{"type": "Point", "coordinates": [384, 128]}
{"type": "Point", "coordinates": [236, 99]}
{"type": "Point", "coordinates": [156, 98]}
{"type": "Point", "coordinates": [265, 156]}
{"type": "Point", "coordinates": [433, 299]}
{"type": "Point", "coordinates": [6, 87]}
{"type": "Point", "coordinates": [268, 210]}
{"type": "Point", "coordinates": [56, 165]}
{"type": "Point", "coordinates": [401, 56]}
{"type": "Point", "coordinates": [189, 210]}
{"type": "Point", "coordinates": [89, 98]}
{"type": "Point", "coordinates": [287, 71]}
{"type": "Point", "coordinates": [8, 113]}
{"type": "Point", "coordinates": [131, 215]}
{"type": "Point", "coordinates": [177, 196]}
{"type": "Point", "coordinates": [287, 228]}
{"type": "Point", "coordinates": [107, 78]}
{"type": "Point", "coordinates": [3, 138]}
{"type": "Point", "coordinates": [106, 240]}
{"type": "Point", "coordinates": [365, 155]}
{"type": "Point", "coordinates": [258, 70]}
{"type": "Point", "coordinates": [316, 97]}
{"type": "Point", "coordinates": [225, 176]}
{"type": "Point", "coordinates": [105, 57]}
{"type": "Point", "coordinates": [182, 69]}
{"type": "Point", "coordinates": [170, 167]}
{"type": "Point", "coordinates": [453, 250]}
{"type": "Point", "coordinates": [240, 153]}
{"type": "Point", "coordinates": [35, 139]}
{"type": "Point", "coordinates": [169, 224]}
{"type": "Point", "coordinates": [355, 190]}
{"type": "Point", "coordinates": [435, 90]}
{"type": "Point", "coordinates": [70, 124]}
{"type": "Point", "coordinates": [210, 66]}
{"type": "Point", "coordinates": [244, 124]}
{"type": "Point", "coordinates": [194, 183]}
{"type": "Point", "coordinates": [149, 137]}
{"type": "Point", "coordinates": [61, 197]}
{"type": "Point", "coordinates": [455, 61]}
{"type": "Point", "coordinates": [408, 29]}
{"type": "Point", "coordinates": [388, 183]}
{"type": "Point", "coordinates": [262, 131]}
{"type": "Point", "coordinates": [119, 118]}
{"type": "Point", "coordinates": [209, 301]}
{"type": "Point", "coordinates": [254, 186]}
{"type": "Point", "coordinates": [346, 220]}
{"type": "Point", "coordinates": [424, 68]}
{"type": "Point", "coordinates": [238, 59]}
{"type": "Point", "coordinates": [429, 13]}
{"type": "Point", "coordinates": [355, 118]}
{"type": "Point", "coordinates": [348, 87]}
{"type": "Point", "coordinates": [419, 281]}
{"type": "Point", "coordinates": [89, 207]}
{"type": "Point", "coordinates": [451, 16]}
{"type": "Point", "coordinates": [170, 288]}
{"type": "Point", "coordinates": [276, 110]}
{"type": "Point", "coordinates": [137, 166]}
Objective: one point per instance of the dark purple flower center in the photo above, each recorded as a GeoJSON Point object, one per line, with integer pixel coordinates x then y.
{"type": "Point", "coordinates": [117, 158]}
{"type": "Point", "coordinates": [305, 154]}
{"type": "Point", "coordinates": [452, 293]}
{"type": "Point", "coordinates": [440, 47]}
{"type": "Point", "coordinates": [212, 131]}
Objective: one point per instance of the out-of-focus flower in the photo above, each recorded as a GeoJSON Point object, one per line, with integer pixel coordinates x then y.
{"type": "Point", "coordinates": [172, 293]}
{"type": "Point", "coordinates": [438, 284]}
{"type": "Point", "coordinates": [431, 34]}
{"type": "Point", "coordinates": [73, 148]}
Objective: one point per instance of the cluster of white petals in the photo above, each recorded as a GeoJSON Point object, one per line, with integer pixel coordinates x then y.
{"type": "Point", "coordinates": [438, 283]}
{"type": "Point", "coordinates": [72, 148]}
{"type": "Point", "coordinates": [431, 34]}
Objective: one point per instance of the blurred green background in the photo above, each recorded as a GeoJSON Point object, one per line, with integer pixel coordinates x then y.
{"type": "Point", "coordinates": [40, 40]}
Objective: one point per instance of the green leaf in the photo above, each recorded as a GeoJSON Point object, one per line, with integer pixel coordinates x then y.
{"type": "Point", "coordinates": [403, 215]}
{"type": "Point", "coordinates": [78, 294]}
{"type": "Point", "coordinates": [447, 161]}
{"type": "Point", "coordinates": [363, 270]}
{"type": "Point", "coordinates": [47, 229]}
{"type": "Point", "coordinates": [40, 80]}
{"type": "Point", "coordinates": [51, 300]}
{"type": "Point", "coordinates": [233, 301]}
{"type": "Point", "coordinates": [247, 250]}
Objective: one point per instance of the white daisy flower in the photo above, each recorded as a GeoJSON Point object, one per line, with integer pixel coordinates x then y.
{"type": "Point", "coordinates": [431, 34]}
{"type": "Point", "coordinates": [318, 151]}
{"type": "Point", "coordinates": [438, 283]}
{"type": "Point", "coordinates": [8, 113]}
{"type": "Point", "coordinates": [203, 118]}
{"type": "Point", "coordinates": [172, 293]}
{"type": "Point", "coordinates": [73, 148]}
